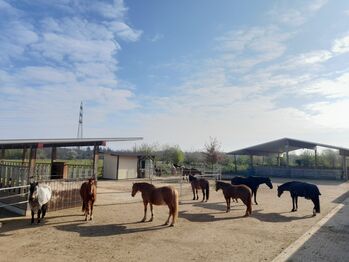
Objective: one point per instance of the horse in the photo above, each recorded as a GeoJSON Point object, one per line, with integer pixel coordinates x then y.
{"type": "Point", "coordinates": [199, 183]}
{"type": "Point", "coordinates": [39, 196]}
{"type": "Point", "coordinates": [88, 193]}
{"type": "Point", "coordinates": [157, 196]}
{"type": "Point", "coordinates": [301, 189]}
{"type": "Point", "coordinates": [236, 191]}
{"type": "Point", "coordinates": [189, 171]}
{"type": "Point", "coordinates": [252, 182]}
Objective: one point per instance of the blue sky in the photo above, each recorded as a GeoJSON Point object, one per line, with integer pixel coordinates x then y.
{"type": "Point", "coordinates": [176, 72]}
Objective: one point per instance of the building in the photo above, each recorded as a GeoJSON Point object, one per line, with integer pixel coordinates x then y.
{"type": "Point", "coordinates": [127, 165]}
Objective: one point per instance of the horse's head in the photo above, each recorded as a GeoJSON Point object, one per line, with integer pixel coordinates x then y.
{"type": "Point", "coordinates": [280, 191]}
{"type": "Point", "coordinates": [218, 186]}
{"type": "Point", "coordinates": [268, 183]}
{"type": "Point", "coordinates": [90, 187]}
{"type": "Point", "coordinates": [33, 190]}
{"type": "Point", "coordinates": [134, 189]}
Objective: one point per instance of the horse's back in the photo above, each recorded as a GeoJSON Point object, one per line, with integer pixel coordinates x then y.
{"type": "Point", "coordinates": [162, 195]}
{"type": "Point", "coordinates": [304, 189]}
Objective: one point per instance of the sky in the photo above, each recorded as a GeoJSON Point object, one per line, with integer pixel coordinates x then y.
{"type": "Point", "coordinates": [176, 72]}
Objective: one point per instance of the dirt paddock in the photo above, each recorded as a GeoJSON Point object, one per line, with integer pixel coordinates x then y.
{"type": "Point", "coordinates": [204, 231]}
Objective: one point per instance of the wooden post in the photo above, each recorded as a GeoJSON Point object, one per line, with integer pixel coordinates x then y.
{"type": "Point", "coordinates": [235, 163]}
{"type": "Point", "coordinates": [251, 160]}
{"type": "Point", "coordinates": [315, 157]}
{"type": "Point", "coordinates": [278, 159]}
{"type": "Point", "coordinates": [53, 158]}
{"type": "Point", "coordinates": [287, 157]}
{"type": "Point", "coordinates": [24, 152]}
{"type": "Point", "coordinates": [95, 161]}
{"type": "Point", "coordinates": [2, 154]}
{"type": "Point", "coordinates": [32, 161]}
{"type": "Point", "coordinates": [345, 167]}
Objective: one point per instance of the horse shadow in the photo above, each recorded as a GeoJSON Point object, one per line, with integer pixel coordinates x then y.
{"type": "Point", "coordinates": [205, 217]}
{"type": "Point", "coordinates": [276, 217]}
{"type": "Point", "coordinates": [88, 230]}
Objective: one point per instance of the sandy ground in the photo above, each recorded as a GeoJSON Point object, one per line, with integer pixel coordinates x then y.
{"type": "Point", "coordinates": [204, 231]}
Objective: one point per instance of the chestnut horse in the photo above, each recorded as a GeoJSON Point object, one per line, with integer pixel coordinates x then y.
{"type": "Point", "coordinates": [88, 193]}
{"type": "Point", "coordinates": [199, 183]}
{"type": "Point", "coordinates": [158, 196]}
{"type": "Point", "coordinates": [236, 191]}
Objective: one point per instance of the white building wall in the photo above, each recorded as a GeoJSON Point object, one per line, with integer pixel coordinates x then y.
{"type": "Point", "coordinates": [127, 167]}
{"type": "Point", "coordinates": [109, 166]}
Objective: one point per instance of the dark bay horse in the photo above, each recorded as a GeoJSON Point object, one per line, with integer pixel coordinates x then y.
{"type": "Point", "coordinates": [39, 195]}
{"type": "Point", "coordinates": [189, 171]}
{"type": "Point", "coordinates": [165, 195]}
{"type": "Point", "coordinates": [236, 191]}
{"type": "Point", "coordinates": [252, 182]}
{"type": "Point", "coordinates": [199, 183]}
{"type": "Point", "coordinates": [88, 193]}
{"type": "Point", "coordinates": [301, 189]}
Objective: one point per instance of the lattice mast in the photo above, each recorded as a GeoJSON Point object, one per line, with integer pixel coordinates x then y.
{"type": "Point", "coordinates": [80, 127]}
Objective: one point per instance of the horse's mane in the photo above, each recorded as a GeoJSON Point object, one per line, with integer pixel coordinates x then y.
{"type": "Point", "coordinates": [192, 178]}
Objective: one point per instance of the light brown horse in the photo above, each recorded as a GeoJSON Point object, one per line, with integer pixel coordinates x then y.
{"type": "Point", "coordinates": [88, 193]}
{"type": "Point", "coordinates": [158, 196]}
{"type": "Point", "coordinates": [239, 191]}
{"type": "Point", "coordinates": [199, 183]}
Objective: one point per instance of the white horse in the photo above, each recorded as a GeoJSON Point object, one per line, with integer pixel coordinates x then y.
{"type": "Point", "coordinates": [38, 199]}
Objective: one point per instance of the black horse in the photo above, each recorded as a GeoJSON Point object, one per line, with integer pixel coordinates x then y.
{"type": "Point", "coordinates": [199, 183]}
{"type": "Point", "coordinates": [301, 189]}
{"type": "Point", "coordinates": [252, 182]}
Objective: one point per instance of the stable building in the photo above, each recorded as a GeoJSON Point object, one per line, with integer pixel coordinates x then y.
{"type": "Point", "coordinates": [127, 165]}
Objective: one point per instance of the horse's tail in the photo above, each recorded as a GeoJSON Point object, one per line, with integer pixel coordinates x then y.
{"type": "Point", "coordinates": [175, 203]}
{"type": "Point", "coordinates": [207, 191]}
{"type": "Point", "coordinates": [317, 204]}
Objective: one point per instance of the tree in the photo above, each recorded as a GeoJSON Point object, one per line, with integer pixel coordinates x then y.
{"type": "Point", "coordinates": [172, 155]}
{"type": "Point", "coordinates": [212, 154]}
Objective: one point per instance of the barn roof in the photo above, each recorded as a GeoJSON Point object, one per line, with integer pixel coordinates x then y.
{"type": "Point", "coordinates": [281, 146]}
{"type": "Point", "coordinates": [61, 142]}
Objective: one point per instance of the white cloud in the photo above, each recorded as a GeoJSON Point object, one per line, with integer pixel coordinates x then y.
{"type": "Point", "coordinates": [69, 58]}
{"type": "Point", "coordinates": [341, 45]}
{"type": "Point", "coordinates": [284, 14]}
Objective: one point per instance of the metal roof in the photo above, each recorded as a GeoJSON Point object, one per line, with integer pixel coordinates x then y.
{"type": "Point", "coordinates": [128, 153]}
{"type": "Point", "coordinates": [281, 146]}
{"type": "Point", "coordinates": [61, 142]}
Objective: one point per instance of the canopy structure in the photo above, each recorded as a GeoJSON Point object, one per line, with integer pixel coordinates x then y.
{"type": "Point", "coordinates": [286, 145]}
{"type": "Point", "coordinates": [60, 142]}
{"type": "Point", "coordinates": [33, 144]}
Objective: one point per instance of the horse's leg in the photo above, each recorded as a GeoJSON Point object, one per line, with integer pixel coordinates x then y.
{"type": "Point", "coordinates": [32, 221]}
{"type": "Point", "coordinates": [145, 211]}
{"type": "Point", "coordinates": [227, 199]}
{"type": "Point", "coordinates": [44, 209]}
{"type": "Point", "coordinates": [203, 194]}
{"type": "Point", "coordinates": [293, 204]}
{"type": "Point", "coordinates": [91, 215]}
{"type": "Point", "coordinates": [39, 214]}
{"type": "Point", "coordinates": [151, 210]}
{"type": "Point", "coordinates": [197, 195]}
{"type": "Point", "coordinates": [193, 188]}
{"type": "Point", "coordinates": [296, 197]}
{"type": "Point", "coordinates": [255, 196]}
{"type": "Point", "coordinates": [169, 215]}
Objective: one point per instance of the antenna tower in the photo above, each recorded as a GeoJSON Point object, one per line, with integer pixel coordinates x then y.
{"type": "Point", "coordinates": [80, 121]}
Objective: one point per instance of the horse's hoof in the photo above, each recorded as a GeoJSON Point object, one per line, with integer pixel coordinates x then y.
{"type": "Point", "coordinates": [172, 225]}
{"type": "Point", "coordinates": [165, 224]}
